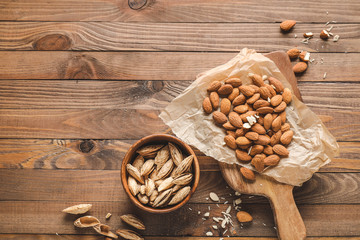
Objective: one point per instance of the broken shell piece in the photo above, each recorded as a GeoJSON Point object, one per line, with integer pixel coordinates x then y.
{"type": "Point", "coordinates": [128, 234]}
{"type": "Point", "coordinates": [86, 221]}
{"type": "Point", "coordinates": [133, 221]}
{"type": "Point", "coordinates": [105, 230]}
{"type": "Point", "coordinates": [214, 197]}
{"type": "Point", "coordinates": [77, 209]}
{"type": "Point", "coordinates": [308, 35]}
{"type": "Point", "coordinates": [108, 215]}
{"type": "Point", "coordinates": [324, 34]}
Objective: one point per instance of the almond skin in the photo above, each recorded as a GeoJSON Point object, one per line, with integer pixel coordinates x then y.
{"type": "Point", "coordinates": [235, 92]}
{"type": "Point", "coordinates": [214, 86]}
{"type": "Point", "coordinates": [207, 105]}
{"type": "Point", "coordinates": [230, 142]}
{"type": "Point", "coordinates": [279, 87]}
{"type": "Point", "coordinates": [300, 67]}
{"type": "Point", "coordinates": [225, 89]}
{"type": "Point", "coordinates": [258, 128]}
{"type": "Point", "coordinates": [247, 173]}
{"type": "Point", "coordinates": [287, 96]}
{"type": "Point", "coordinates": [268, 121]}
{"type": "Point", "coordinates": [235, 120]}
{"type": "Point", "coordinates": [239, 100]}
{"type": "Point", "coordinates": [280, 150]}
{"type": "Point", "coordinates": [247, 90]}
{"type": "Point", "coordinates": [219, 117]}
{"type": "Point", "coordinates": [242, 155]}
{"type": "Point", "coordinates": [241, 141]}
{"type": "Point", "coordinates": [225, 106]}
{"type": "Point", "coordinates": [257, 80]}
{"type": "Point", "coordinates": [261, 103]}
{"type": "Point", "coordinates": [243, 217]}
{"type": "Point", "coordinates": [280, 108]}
{"type": "Point", "coordinates": [235, 82]}
{"type": "Point", "coordinates": [286, 137]}
{"type": "Point", "coordinates": [287, 25]}
{"type": "Point", "coordinates": [276, 124]}
{"type": "Point", "coordinates": [214, 99]}
{"type": "Point", "coordinates": [253, 136]}
{"type": "Point", "coordinates": [276, 100]}
{"type": "Point", "coordinates": [272, 160]}
{"type": "Point", "coordinates": [293, 53]}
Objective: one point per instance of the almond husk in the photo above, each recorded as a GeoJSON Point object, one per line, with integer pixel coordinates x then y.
{"type": "Point", "coordinates": [86, 221]}
{"type": "Point", "coordinates": [129, 234]}
{"type": "Point", "coordinates": [105, 230]}
{"type": "Point", "coordinates": [78, 209]}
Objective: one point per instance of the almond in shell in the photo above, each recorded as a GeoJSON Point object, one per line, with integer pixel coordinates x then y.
{"type": "Point", "coordinates": [183, 179]}
{"type": "Point", "coordinates": [143, 198]}
{"type": "Point", "coordinates": [133, 185]}
{"type": "Point", "coordinates": [147, 167]}
{"type": "Point", "coordinates": [138, 162]}
{"type": "Point", "coordinates": [149, 186]}
{"type": "Point", "coordinates": [166, 184]}
{"type": "Point", "coordinates": [162, 198]}
{"type": "Point", "coordinates": [166, 169]}
{"type": "Point", "coordinates": [162, 156]}
{"type": "Point", "coordinates": [149, 149]}
{"type": "Point", "coordinates": [175, 153]}
{"type": "Point", "coordinates": [184, 166]}
{"type": "Point", "coordinates": [135, 173]}
{"type": "Point", "coordinates": [133, 221]}
{"type": "Point", "coordinates": [180, 195]}
{"type": "Point", "coordinates": [129, 234]}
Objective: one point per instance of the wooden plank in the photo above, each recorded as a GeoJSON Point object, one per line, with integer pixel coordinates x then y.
{"type": "Point", "coordinates": [98, 185]}
{"type": "Point", "coordinates": [335, 220]}
{"type": "Point", "coordinates": [154, 65]}
{"type": "Point", "coordinates": [180, 11]}
{"type": "Point", "coordinates": [225, 37]}
{"type": "Point", "coordinates": [105, 155]}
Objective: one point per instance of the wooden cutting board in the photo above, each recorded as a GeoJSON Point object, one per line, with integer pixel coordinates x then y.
{"type": "Point", "coordinates": [287, 217]}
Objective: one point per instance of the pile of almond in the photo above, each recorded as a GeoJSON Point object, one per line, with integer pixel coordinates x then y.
{"type": "Point", "coordinates": [254, 119]}
{"type": "Point", "coordinates": [160, 175]}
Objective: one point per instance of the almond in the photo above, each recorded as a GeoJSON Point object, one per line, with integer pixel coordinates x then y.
{"type": "Point", "coordinates": [241, 141]}
{"type": "Point", "coordinates": [324, 34]}
{"type": "Point", "coordinates": [243, 217]}
{"type": "Point", "coordinates": [283, 117]}
{"type": "Point", "coordinates": [280, 108]}
{"type": "Point", "coordinates": [235, 82]}
{"type": "Point", "coordinates": [285, 127]}
{"type": "Point", "coordinates": [265, 93]}
{"type": "Point", "coordinates": [231, 133]}
{"type": "Point", "coordinates": [225, 89]}
{"type": "Point", "coordinates": [235, 120]}
{"type": "Point", "coordinates": [247, 173]}
{"type": "Point", "coordinates": [261, 103]}
{"type": "Point", "coordinates": [252, 136]}
{"type": "Point", "coordinates": [256, 88]}
{"type": "Point", "coordinates": [293, 53]}
{"type": "Point", "coordinates": [276, 124]}
{"type": "Point", "coordinates": [245, 148]}
{"type": "Point", "coordinates": [272, 160]}
{"type": "Point", "coordinates": [239, 132]}
{"type": "Point", "coordinates": [239, 100]}
{"type": "Point", "coordinates": [271, 90]}
{"type": "Point", "coordinates": [214, 86]}
{"type": "Point", "coordinates": [268, 121]}
{"type": "Point", "coordinates": [229, 126]}
{"type": "Point", "coordinates": [287, 25]}
{"type": "Point", "coordinates": [230, 142]}
{"type": "Point", "coordinates": [268, 150]}
{"type": "Point", "coordinates": [279, 87]}
{"type": "Point", "coordinates": [304, 56]}
{"type": "Point", "coordinates": [214, 99]}
{"type": "Point", "coordinates": [235, 92]}
{"type": "Point", "coordinates": [258, 128]}
{"type": "Point", "coordinates": [300, 67]}
{"type": "Point", "coordinates": [207, 105]}
{"type": "Point", "coordinates": [258, 162]}
{"type": "Point", "coordinates": [256, 149]}
{"type": "Point", "coordinates": [257, 80]}
{"type": "Point", "coordinates": [286, 137]}
{"type": "Point", "coordinates": [242, 155]}
{"type": "Point", "coordinates": [241, 108]}
{"type": "Point", "coordinates": [219, 117]}
{"type": "Point", "coordinates": [253, 99]}
{"type": "Point", "coordinates": [265, 110]}
{"type": "Point", "coordinates": [287, 96]}
{"type": "Point", "coordinates": [263, 140]}
{"type": "Point", "coordinates": [280, 150]}
{"type": "Point", "coordinates": [225, 106]}
{"type": "Point", "coordinates": [275, 138]}
{"type": "Point", "coordinates": [247, 90]}
{"type": "Point", "coordinates": [276, 100]}
{"type": "Point", "coordinates": [260, 120]}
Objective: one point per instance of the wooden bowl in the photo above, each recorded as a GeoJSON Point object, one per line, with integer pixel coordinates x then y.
{"type": "Point", "coordinates": [156, 139]}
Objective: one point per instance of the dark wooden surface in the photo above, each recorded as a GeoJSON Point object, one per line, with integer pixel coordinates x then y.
{"type": "Point", "coordinates": [80, 81]}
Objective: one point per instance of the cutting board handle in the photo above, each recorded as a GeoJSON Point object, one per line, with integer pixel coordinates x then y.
{"type": "Point", "coordinates": [287, 217]}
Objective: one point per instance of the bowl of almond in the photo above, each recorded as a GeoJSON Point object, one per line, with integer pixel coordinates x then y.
{"type": "Point", "coordinates": [160, 173]}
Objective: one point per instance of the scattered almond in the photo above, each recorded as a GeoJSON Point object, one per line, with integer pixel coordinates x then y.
{"type": "Point", "coordinates": [243, 217]}
{"type": "Point", "coordinates": [304, 56]}
{"type": "Point", "coordinates": [300, 67]}
{"type": "Point", "coordinates": [287, 25]}
{"type": "Point", "coordinates": [293, 53]}
{"type": "Point", "coordinates": [324, 34]}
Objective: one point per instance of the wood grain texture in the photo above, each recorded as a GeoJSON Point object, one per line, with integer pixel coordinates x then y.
{"type": "Point", "coordinates": [181, 11]}
{"type": "Point", "coordinates": [318, 219]}
{"type": "Point", "coordinates": [107, 36]}
{"type": "Point", "coordinates": [105, 186]}
{"type": "Point", "coordinates": [107, 154]}
{"type": "Point", "coordinates": [154, 65]}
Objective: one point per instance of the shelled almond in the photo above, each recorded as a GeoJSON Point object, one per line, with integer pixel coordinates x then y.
{"type": "Point", "coordinates": [165, 174]}
{"type": "Point", "coordinates": [254, 120]}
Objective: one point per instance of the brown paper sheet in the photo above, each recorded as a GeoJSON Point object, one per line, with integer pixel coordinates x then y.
{"type": "Point", "coordinates": [312, 146]}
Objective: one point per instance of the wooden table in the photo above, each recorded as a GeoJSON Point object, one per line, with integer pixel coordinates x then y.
{"type": "Point", "coordinates": [83, 80]}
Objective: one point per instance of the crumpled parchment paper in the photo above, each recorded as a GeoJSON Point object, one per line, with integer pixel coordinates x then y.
{"type": "Point", "coordinates": [311, 148]}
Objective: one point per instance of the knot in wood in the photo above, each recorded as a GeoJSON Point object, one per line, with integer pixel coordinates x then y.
{"type": "Point", "coordinates": [137, 4]}
{"type": "Point", "coordinates": [86, 146]}
{"type": "Point", "coordinates": [53, 42]}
